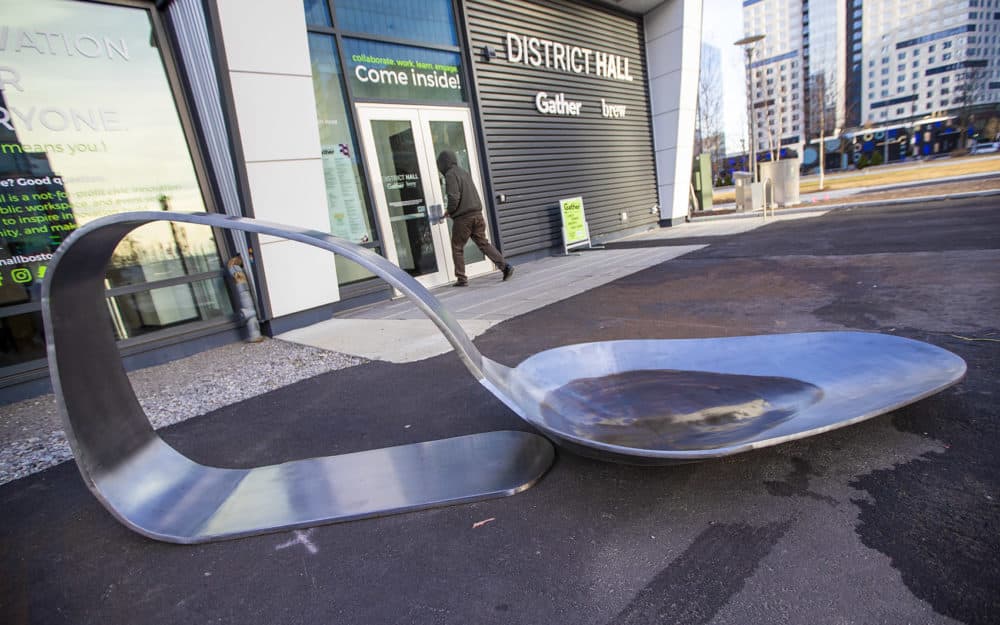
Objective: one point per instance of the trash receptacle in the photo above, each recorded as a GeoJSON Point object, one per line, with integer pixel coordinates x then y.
{"type": "Point", "coordinates": [753, 199]}
{"type": "Point", "coordinates": [784, 177]}
{"type": "Point", "coordinates": [741, 184]}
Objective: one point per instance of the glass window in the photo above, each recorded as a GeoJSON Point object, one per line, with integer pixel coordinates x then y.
{"type": "Point", "coordinates": [317, 13]}
{"type": "Point", "coordinates": [388, 71]}
{"type": "Point", "coordinates": [399, 165]}
{"type": "Point", "coordinates": [428, 21]}
{"type": "Point", "coordinates": [138, 313]}
{"type": "Point", "coordinates": [89, 127]}
{"type": "Point", "coordinates": [21, 338]}
{"type": "Point", "coordinates": [350, 216]}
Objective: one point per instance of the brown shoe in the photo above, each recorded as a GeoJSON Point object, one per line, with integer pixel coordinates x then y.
{"type": "Point", "coordinates": [461, 283]}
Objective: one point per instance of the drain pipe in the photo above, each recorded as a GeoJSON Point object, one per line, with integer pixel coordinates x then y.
{"type": "Point", "coordinates": [247, 312]}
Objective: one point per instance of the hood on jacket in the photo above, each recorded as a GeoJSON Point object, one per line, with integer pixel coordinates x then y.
{"type": "Point", "coordinates": [446, 160]}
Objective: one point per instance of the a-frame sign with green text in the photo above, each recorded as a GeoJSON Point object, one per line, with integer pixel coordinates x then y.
{"type": "Point", "coordinates": [575, 231]}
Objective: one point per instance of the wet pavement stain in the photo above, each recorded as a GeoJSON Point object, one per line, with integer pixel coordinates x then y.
{"type": "Point", "coordinates": [797, 483]}
{"type": "Point", "coordinates": [937, 517]}
{"type": "Point", "coordinates": [702, 580]}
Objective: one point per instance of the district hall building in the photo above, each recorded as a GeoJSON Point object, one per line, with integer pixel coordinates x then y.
{"type": "Point", "coordinates": [323, 114]}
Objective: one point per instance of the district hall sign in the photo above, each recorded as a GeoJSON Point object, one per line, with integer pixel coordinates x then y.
{"type": "Point", "coordinates": [538, 52]}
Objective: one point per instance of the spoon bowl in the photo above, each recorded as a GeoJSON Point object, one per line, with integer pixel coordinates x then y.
{"type": "Point", "coordinates": [683, 400]}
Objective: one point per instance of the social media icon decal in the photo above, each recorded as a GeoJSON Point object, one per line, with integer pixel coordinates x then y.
{"type": "Point", "coordinates": [21, 275]}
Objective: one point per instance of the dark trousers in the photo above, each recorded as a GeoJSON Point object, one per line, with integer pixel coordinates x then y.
{"type": "Point", "coordinates": [471, 226]}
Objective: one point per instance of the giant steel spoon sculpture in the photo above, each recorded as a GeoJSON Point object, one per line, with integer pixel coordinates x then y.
{"type": "Point", "coordinates": [637, 401]}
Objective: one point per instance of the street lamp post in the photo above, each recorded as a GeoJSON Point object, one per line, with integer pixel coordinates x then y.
{"type": "Point", "coordinates": [748, 46]}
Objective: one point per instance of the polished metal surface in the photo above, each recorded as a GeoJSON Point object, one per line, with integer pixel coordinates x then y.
{"type": "Point", "coordinates": [157, 491]}
{"type": "Point", "coordinates": [671, 401]}
{"type": "Point", "coordinates": [639, 401]}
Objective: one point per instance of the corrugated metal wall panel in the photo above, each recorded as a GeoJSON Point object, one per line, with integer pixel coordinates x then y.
{"type": "Point", "coordinates": [537, 159]}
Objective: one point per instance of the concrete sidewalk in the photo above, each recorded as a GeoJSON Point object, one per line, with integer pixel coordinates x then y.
{"type": "Point", "coordinates": [397, 331]}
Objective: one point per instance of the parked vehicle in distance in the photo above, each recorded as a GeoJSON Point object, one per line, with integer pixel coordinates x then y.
{"type": "Point", "coordinates": [985, 148]}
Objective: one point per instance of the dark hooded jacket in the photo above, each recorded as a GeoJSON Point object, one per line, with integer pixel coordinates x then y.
{"type": "Point", "coordinates": [463, 199]}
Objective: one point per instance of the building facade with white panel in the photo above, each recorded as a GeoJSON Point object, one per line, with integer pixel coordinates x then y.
{"type": "Point", "coordinates": [925, 56]}
{"type": "Point", "coordinates": [327, 115]}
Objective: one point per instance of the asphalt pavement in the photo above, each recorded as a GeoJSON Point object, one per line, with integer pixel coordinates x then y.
{"type": "Point", "coordinates": [894, 520]}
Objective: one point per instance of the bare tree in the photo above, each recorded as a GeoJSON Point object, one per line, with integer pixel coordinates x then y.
{"type": "Point", "coordinates": [969, 90]}
{"type": "Point", "coordinates": [822, 118]}
{"type": "Point", "coordinates": [773, 109]}
{"type": "Point", "coordinates": [709, 132]}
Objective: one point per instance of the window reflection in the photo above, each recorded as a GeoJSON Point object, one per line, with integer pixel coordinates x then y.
{"type": "Point", "coordinates": [404, 194]}
{"type": "Point", "coordinates": [428, 21]}
{"type": "Point", "coordinates": [135, 314]}
{"type": "Point", "coordinates": [21, 338]}
{"type": "Point", "coordinates": [89, 127]}
{"type": "Point", "coordinates": [317, 13]}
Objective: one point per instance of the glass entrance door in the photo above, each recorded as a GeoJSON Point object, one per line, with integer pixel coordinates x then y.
{"type": "Point", "coordinates": [401, 144]}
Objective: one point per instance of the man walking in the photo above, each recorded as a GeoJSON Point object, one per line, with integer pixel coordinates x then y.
{"type": "Point", "coordinates": [465, 209]}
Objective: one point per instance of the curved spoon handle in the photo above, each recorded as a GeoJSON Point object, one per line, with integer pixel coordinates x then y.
{"type": "Point", "coordinates": [159, 492]}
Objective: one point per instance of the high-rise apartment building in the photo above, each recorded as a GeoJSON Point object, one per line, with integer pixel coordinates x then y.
{"type": "Point", "coordinates": [925, 56]}
{"type": "Point", "coordinates": [847, 63]}
{"type": "Point", "coordinates": [776, 70]}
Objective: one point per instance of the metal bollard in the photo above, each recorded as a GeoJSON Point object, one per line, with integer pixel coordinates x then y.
{"type": "Point", "coordinates": [247, 311]}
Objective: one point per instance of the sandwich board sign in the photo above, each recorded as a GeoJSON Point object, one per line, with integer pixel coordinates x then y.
{"type": "Point", "coordinates": [574, 224]}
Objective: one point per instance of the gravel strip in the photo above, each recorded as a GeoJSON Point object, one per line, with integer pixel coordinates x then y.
{"type": "Point", "coordinates": [31, 435]}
